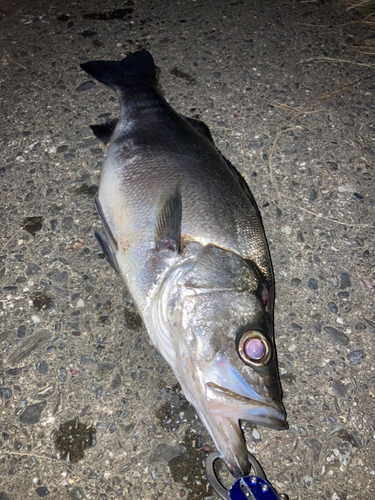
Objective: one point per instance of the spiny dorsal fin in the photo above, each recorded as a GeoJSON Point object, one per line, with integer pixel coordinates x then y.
{"type": "Point", "coordinates": [104, 131]}
{"type": "Point", "coordinates": [200, 127]}
{"type": "Point", "coordinates": [241, 181]}
{"type": "Point", "coordinates": [168, 221]}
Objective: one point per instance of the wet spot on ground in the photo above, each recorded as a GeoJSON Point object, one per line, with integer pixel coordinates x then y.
{"type": "Point", "coordinates": [181, 74]}
{"type": "Point", "coordinates": [41, 301]}
{"type": "Point", "coordinates": [187, 468]}
{"type": "Point", "coordinates": [288, 378]}
{"type": "Point", "coordinates": [73, 438]}
{"type": "Point", "coordinates": [133, 320]}
{"type": "Point", "coordinates": [84, 189]}
{"type": "Point", "coordinates": [109, 15]}
{"type": "Point", "coordinates": [175, 412]}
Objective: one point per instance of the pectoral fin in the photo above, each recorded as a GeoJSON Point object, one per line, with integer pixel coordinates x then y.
{"type": "Point", "coordinates": [168, 221]}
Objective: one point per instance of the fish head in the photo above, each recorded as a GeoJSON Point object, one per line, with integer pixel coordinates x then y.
{"type": "Point", "coordinates": [226, 359]}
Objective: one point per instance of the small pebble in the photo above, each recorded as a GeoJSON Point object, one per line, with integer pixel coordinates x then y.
{"type": "Point", "coordinates": [5, 393]}
{"type": "Point", "coordinates": [13, 372]}
{"type": "Point", "coordinates": [360, 326]}
{"type": "Point", "coordinates": [80, 304]}
{"type": "Point", "coordinates": [336, 335]}
{"type": "Point", "coordinates": [63, 375]}
{"type": "Point", "coordinates": [368, 283]}
{"type": "Point", "coordinates": [345, 280]}
{"type": "Point", "coordinates": [42, 491]}
{"type": "Point", "coordinates": [296, 326]}
{"type": "Point", "coordinates": [286, 230]}
{"type": "Point", "coordinates": [313, 284]}
{"type": "Point", "coordinates": [85, 360]}
{"type": "Point", "coordinates": [77, 494]}
{"type": "Point", "coordinates": [333, 307]}
{"type": "Point", "coordinates": [333, 280]}
{"type": "Point", "coordinates": [85, 86]}
{"type": "Point", "coordinates": [296, 282]}
{"type": "Point", "coordinates": [256, 435]}
{"type": "Point", "coordinates": [21, 332]}
{"type": "Point", "coordinates": [356, 357]}
{"type": "Point", "coordinates": [42, 367]}
{"type": "Point", "coordinates": [33, 413]}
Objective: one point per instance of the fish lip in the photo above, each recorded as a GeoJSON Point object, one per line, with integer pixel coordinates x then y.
{"type": "Point", "coordinates": [260, 412]}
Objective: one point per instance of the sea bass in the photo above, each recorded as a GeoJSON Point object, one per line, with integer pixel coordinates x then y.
{"type": "Point", "coordinates": [182, 228]}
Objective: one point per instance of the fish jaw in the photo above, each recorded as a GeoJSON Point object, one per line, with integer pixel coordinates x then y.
{"type": "Point", "coordinates": [221, 414]}
{"type": "Point", "coordinates": [222, 398]}
{"type": "Point", "coordinates": [229, 394]}
{"type": "Point", "coordinates": [231, 405]}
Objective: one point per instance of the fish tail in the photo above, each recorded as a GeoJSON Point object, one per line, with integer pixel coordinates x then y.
{"type": "Point", "coordinates": [137, 66]}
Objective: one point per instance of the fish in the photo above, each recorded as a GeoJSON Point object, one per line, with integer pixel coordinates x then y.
{"type": "Point", "coordinates": [182, 229]}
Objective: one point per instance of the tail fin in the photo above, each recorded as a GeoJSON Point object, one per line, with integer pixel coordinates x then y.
{"type": "Point", "coordinates": [136, 66]}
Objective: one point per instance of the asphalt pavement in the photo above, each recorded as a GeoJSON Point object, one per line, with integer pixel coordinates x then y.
{"type": "Point", "coordinates": [88, 408]}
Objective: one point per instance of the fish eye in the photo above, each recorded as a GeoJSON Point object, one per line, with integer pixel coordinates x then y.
{"type": "Point", "coordinates": [254, 348]}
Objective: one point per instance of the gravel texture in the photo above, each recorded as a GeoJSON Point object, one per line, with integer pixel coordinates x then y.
{"type": "Point", "coordinates": [275, 82]}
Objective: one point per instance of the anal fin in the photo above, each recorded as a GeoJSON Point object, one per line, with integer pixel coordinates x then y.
{"type": "Point", "coordinates": [104, 245]}
{"type": "Point", "coordinates": [104, 131]}
{"type": "Point", "coordinates": [106, 241]}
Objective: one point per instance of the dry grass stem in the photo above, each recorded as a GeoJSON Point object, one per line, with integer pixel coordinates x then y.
{"type": "Point", "coordinates": [12, 238]}
{"type": "Point", "coordinates": [18, 64]}
{"type": "Point", "coordinates": [330, 59]}
{"type": "Point", "coordinates": [286, 128]}
{"type": "Point", "coordinates": [359, 4]}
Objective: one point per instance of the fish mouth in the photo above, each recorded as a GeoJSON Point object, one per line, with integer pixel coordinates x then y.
{"type": "Point", "coordinates": [229, 395]}
{"type": "Point", "coordinates": [229, 399]}
{"type": "Point", "coordinates": [225, 403]}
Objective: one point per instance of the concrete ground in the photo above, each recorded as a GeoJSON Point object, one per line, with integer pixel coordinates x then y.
{"type": "Point", "coordinates": [88, 407]}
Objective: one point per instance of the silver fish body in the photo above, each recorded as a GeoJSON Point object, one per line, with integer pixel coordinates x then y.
{"type": "Point", "coordinates": [183, 230]}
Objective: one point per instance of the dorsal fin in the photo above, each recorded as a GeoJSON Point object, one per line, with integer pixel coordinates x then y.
{"type": "Point", "coordinates": [241, 181]}
{"type": "Point", "coordinates": [200, 127]}
{"type": "Point", "coordinates": [168, 221]}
